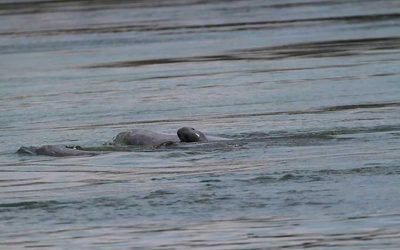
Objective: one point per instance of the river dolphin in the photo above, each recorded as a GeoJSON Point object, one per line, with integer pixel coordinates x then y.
{"type": "Point", "coordinates": [141, 137]}
{"type": "Point", "coordinates": [135, 137]}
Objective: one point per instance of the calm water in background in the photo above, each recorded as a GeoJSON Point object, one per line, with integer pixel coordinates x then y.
{"type": "Point", "coordinates": [307, 94]}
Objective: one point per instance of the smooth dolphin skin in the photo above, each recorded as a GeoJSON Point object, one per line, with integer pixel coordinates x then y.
{"type": "Point", "coordinates": [187, 134]}
{"type": "Point", "coordinates": [135, 137]}
{"type": "Point", "coordinates": [55, 150]}
{"type": "Point", "coordinates": [141, 137]}
{"type": "Point", "coordinates": [150, 138]}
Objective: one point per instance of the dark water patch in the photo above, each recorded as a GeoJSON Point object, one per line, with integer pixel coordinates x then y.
{"type": "Point", "coordinates": [212, 147]}
{"type": "Point", "coordinates": [300, 178]}
{"type": "Point", "coordinates": [285, 177]}
{"type": "Point", "coordinates": [139, 63]}
{"type": "Point", "coordinates": [335, 66]}
{"type": "Point", "coordinates": [242, 233]}
{"type": "Point", "coordinates": [262, 136]}
{"type": "Point", "coordinates": [265, 179]}
{"type": "Point", "coordinates": [158, 194]}
{"type": "Point", "coordinates": [322, 175]}
{"type": "Point", "coordinates": [294, 202]}
{"type": "Point", "coordinates": [186, 75]}
{"type": "Point", "coordinates": [2, 181]}
{"type": "Point", "coordinates": [52, 189]}
{"type": "Point", "coordinates": [358, 130]}
{"type": "Point", "coordinates": [67, 45]}
{"type": "Point", "coordinates": [307, 176]}
{"type": "Point", "coordinates": [332, 48]}
{"type": "Point", "coordinates": [210, 180]}
{"type": "Point", "coordinates": [96, 182]}
{"type": "Point", "coordinates": [385, 74]}
{"type": "Point", "coordinates": [368, 171]}
{"type": "Point", "coordinates": [27, 205]}
{"type": "Point", "coordinates": [175, 155]}
{"type": "Point", "coordinates": [117, 203]}
{"type": "Point", "coordinates": [43, 6]}
{"type": "Point", "coordinates": [307, 4]}
{"type": "Point", "coordinates": [308, 22]}
{"type": "Point", "coordinates": [87, 170]}
{"type": "Point", "coordinates": [108, 202]}
{"type": "Point", "coordinates": [29, 96]}
{"type": "Point", "coordinates": [304, 138]}
{"type": "Point", "coordinates": [14, 243]}
{"type": "Point", "coordinates": [377, 215]}
{"type": "Point", "coordinates": [349, 47]}
{"type": "Point", "coordinates": [298, 142]}
{"type": "Point", "coordinates": [25, 184]}
{"type": "Point", "coordinates": [305, 191]}
{"type": "Point", "coordinates": [343, 240]}
{"type": "Point", "coordinates": [40, 6]}
{"type": "Point", "coordinates": [40, 246]}
{"type": "Point", "coordinates": [314, 111]}
{"type": "Point", "coordinates": [362, 106]}
{"type": "Point", "coordinates": [210, 27]}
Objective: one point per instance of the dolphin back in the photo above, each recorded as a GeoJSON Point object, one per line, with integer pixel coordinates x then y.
{"type": "Point", "coordinates": [140, 137]}
{"type": "Point", "coordinates": [55, 150]}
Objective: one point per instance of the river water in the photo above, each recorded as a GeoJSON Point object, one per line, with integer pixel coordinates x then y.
{"type": "Point", "coordinates": [305, 94]}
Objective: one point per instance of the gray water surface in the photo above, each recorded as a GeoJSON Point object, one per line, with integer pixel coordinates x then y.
{"type": "Point", "coordinates": [305, 94]}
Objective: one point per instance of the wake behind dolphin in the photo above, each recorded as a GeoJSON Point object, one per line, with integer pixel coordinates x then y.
{"type": "Point", "coordinates": [135, 137]}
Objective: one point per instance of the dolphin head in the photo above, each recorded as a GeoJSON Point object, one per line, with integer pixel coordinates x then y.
{"type": "Point", "coordinates": [187, 134]}
{"type": "Point", "coordinates": [27, 150]}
